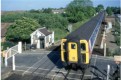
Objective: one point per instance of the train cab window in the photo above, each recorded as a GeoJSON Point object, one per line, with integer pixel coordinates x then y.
{"type": "Point", "coordinates": [64, 46]}
{"type": "Point", "coordinates": [73, 46]}
{"type": "Point", "coordinates": [83, 46]}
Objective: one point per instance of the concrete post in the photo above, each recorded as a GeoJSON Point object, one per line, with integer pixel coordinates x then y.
{"type": "Point", "coordinates": [102, 44]}
{"type": "Point", "coordinates": [20, 47]}
{"type": "Point", "coordinates": [53, 37]}
{"type": "Point", "coordinates": [120, 71]}
{"type": "Point", "coordinates": [13, 62]}
{"type": "Point", "coordinates": [108, 72]}
{"type": "Point", "coordinates": [25, 46]}
{"type": "Point", "coordinates": [6, 62]}
{"type": "Point", "coordinates": [10, 53]}
{"type": "Point", "coordinates": [104, 49]}
{"type": "Point", "coordinates": [120, 62]}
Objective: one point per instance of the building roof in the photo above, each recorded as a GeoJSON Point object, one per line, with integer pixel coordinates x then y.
{"type": "Point", "coordinates": [58, 11]}
{"type": "Point", "coordinates": [45, 31]}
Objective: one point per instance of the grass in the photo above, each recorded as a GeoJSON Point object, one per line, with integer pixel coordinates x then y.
{"type": "Point", "coordinates": [61, 33]}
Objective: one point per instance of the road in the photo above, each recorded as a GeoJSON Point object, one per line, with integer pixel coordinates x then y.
{"type": "Point", "coordinates": [49, 65]}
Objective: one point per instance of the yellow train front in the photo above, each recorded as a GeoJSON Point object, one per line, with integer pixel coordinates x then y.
{"type": "Point", "coordinates": [77, 47]}
{"type": "Point", "coordinates": [75, 53]}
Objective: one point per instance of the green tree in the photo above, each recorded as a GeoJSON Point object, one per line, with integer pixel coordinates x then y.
{"type": "Point", "coordinates": [35, 11]}
{"type": "Point", "coordinates": [21, 29]}
{"type": "Point", "coordinates": [78, 10]}
{"type": "Point", "coordinates": [47, 10]}
{"type": "Point", "coordinates": [81, 3]}
{"type": "Point", "coordinates": [99, 8]}
{"type": "Point", "coordinates": [53, 21]}
{"type": "Point", "coordinates": [109, 10]}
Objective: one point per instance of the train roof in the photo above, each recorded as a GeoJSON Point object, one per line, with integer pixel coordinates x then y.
{"type": "Point", "coordinates": [85, 31]}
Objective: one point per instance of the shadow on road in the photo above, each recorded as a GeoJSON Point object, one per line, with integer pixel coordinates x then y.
{"type": "Point", "coordinates": [55, 57]}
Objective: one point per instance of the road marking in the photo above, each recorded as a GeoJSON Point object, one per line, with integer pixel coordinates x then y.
{"type": "Point", "coordinates": [94, 65]}
{"type": "Point", "coordinates": [33, 65]}
{"type": "Point", "coordinates": [101, 57]}
{"type": "Point", "coordinates": [48, 70]}
{"type": "Point", "coordinates": [57, 75]}
{"type": "Point", "coordinates": [37, 65]}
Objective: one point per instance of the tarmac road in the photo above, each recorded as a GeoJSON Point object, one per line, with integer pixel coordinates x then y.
{"type": "Point", "coordinates": [48, 64]}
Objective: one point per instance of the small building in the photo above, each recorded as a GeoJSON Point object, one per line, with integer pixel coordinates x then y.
{"type": "Point", "coordinates": [109, 27]}
{"type": "Point", "coordinates": [110, 19]}
{"type": "Point", "coordinates": [42, 38]}
{"type": "Point", "coordinates": [58, 11]}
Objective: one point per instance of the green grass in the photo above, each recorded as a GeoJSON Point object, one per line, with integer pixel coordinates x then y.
{"type": "Point", "coordinates": [61, 33]}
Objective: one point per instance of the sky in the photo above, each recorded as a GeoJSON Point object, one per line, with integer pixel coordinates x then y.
{"type": "Point", "coordinates": [11, 5]}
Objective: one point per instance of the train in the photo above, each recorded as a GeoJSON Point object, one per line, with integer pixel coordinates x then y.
{"type": "Point", "coordinates": [77, 47]}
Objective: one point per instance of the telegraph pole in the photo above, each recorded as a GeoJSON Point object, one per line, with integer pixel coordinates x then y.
{"type": "Point", "coordinates": [104, 42]}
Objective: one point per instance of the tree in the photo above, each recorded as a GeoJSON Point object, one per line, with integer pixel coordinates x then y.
{"type": "Point", "coordinates": [21, 29]}
{"type": "Point", "coordinates": [53, 21]}
{"type": "Point", "coordinates": [99, 8]}
{"type": "Point", "coordinates": [109, 10]}
{"type": "Point", "coordinates": [78, 10]}
{"type": "Point", "coordinates": [47, 10]}
{"type": "Point", "coordinates": [81, 3]}
{"type": "Point", "coordinates": [35, 11]}
{"type": "Point", "coordinates": [116, 10]}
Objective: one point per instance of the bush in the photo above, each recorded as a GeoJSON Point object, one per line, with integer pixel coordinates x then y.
{"type": "Point", "coordinates": [6, 44]}
{"type": "Point", "coordinates": [21, 29]}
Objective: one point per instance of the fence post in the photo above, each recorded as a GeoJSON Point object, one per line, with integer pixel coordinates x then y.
{"type": "Point", "coordinates": [20, 47]}
{"type": "Point", "coordinates": [10, 52]}
{"type": "Point", "coordinates": [108, 72]}
{"type": "Point", "coordinates": [104, 49]}
{"type": "Point", "coordinates": [120, 70]}
{"type": "Point", "coordinates": [25, 46]}
{"type": "Point", "coordinates": [13, 62]}
{"type": "Point", "coordinates": [6, 63]}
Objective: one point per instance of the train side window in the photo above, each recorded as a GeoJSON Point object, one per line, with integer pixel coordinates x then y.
{"type": "Point", "coordinates": [73, 46]}
{"type": "Point", "coordinates": [83, 46]}
{"type": "Point", "coordinates": [64, 46]}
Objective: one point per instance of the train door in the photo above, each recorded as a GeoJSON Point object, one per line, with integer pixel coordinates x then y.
{"type": "Point", "coordinates": [84, 51]}
{"type": "Point", "coordinates": [72, 52]}
{"type": "Point", "coordinates": [63, 51]}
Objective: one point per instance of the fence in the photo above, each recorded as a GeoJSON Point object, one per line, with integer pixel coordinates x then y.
{"type": "Point", "coordinates": [12, 51]}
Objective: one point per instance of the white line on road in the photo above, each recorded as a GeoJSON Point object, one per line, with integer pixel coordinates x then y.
{"type": "Point", "coordinates": [57, 75]}
{"type": "Point", "coordinates": [100, 57]}
{"type": "Point", "coordinates": [94, 65]}
{"type": "Point", "coordinates": [48, 70]}
{"type": "Point", "coordinates": [33, 65]}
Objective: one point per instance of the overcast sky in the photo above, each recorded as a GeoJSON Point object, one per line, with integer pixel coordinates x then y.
{"type": "Point", "coordinates": [8, 5]}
